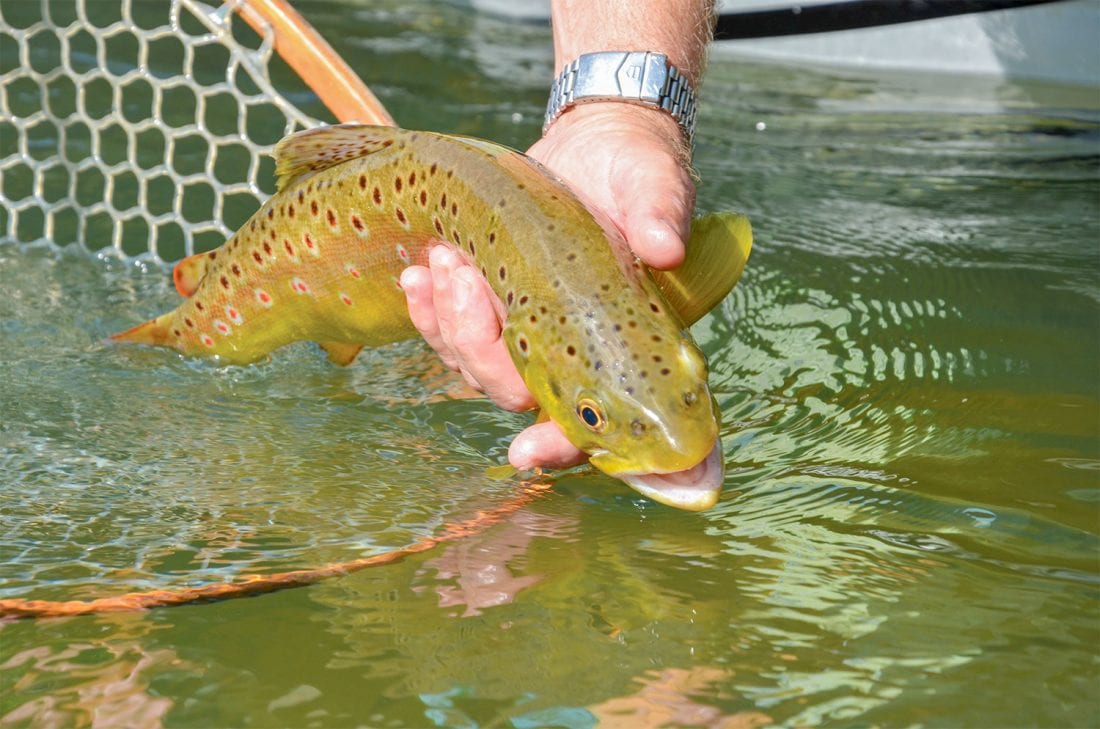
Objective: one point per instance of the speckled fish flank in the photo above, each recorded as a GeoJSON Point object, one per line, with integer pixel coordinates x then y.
{"type": "Point", "coordinates": [587, 325]}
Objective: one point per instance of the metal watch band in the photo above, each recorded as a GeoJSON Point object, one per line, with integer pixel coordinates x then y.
{"type": "Point", "coordinates": [638, 77]}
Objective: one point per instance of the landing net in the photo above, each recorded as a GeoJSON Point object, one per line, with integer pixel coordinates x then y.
{"type": "Point", "coordinates": [140, 130]}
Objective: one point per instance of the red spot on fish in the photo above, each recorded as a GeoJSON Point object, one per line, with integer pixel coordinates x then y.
{"type": "Point", "coordinates": [353, 271]}
{"type": "Point", "coordinates": [207, 340]}
{"type": "Point", "coordinates": [263, 297]}
{"type": "Point", "coordinates": [299, 285]}
{"type": "Point", "coordinates": [345, 298]}
{"type": "Point", "coordinates": [221, 326]}
{"type": "Point", "coordinates": [402, 252]}
{"type": "Point", "coordinates": [234, 315]}
{"type": "Point", "coordinates": [289, 248]}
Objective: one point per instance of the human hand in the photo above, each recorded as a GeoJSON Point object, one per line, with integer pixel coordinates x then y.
{"type": "Point", "coordinates": [628, 164]}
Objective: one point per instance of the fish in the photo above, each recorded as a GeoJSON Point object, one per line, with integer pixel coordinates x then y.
{"type": "Point", "coordinates": [601, 340]}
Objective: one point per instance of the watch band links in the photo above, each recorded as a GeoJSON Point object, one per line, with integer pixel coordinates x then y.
{"type": "Point", "coordinates": [638, 77]}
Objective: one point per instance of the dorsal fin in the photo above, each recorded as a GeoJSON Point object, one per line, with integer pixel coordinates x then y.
{"type": "Point", "coordinates": [717, 251]}
{"type": "Point", "coordinates": [188, 273]}
{"type": "Point", "coordinates": [317, 149]}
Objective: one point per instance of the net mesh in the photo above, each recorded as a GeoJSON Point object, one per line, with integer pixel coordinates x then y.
{"type": "Point", "coordinates": [136, 129]}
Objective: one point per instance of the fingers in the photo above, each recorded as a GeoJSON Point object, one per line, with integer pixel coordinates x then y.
{"type": "Point", "coordinates": [455, 311]}
{"type": "Point", "coordinates": [543, 444]}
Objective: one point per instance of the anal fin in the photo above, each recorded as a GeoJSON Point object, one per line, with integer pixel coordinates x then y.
{"type": "Point", "coordinates": [341, 353]}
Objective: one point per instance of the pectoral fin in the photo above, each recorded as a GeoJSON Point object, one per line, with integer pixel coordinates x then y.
{"type": "Point", "coordinates": [717, 251]}
{"type": "Point", "coordinates": [341, 353]}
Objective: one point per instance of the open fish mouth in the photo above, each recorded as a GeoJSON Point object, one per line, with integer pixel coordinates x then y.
{"type": "Point", "coordinates": [693, 489]}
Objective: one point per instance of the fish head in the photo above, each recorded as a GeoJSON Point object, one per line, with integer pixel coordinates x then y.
{"type": "Point", "coordinates": [628, 386]}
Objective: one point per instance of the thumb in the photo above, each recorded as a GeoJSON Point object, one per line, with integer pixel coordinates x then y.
{"type": "Point", "coordinates": [655, 204]}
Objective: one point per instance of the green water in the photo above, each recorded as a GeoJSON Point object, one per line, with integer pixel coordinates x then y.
{"type": "Point", "coordinates": [909, 382]}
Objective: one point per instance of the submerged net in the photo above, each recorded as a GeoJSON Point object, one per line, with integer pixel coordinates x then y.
{"type": "Point", "coordinates": [137, 129]}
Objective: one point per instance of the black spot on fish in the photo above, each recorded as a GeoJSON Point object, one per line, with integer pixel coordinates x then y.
{"type": "Point", "coordinates": [690, 398]}
{"type": "Point", "coordinates": [492, 238]}
{"type": "Point", "coordinates": [362, 182]}
{"type": "Point", "coordinates": [656, 337]}
{"type": "Point", "coordinates": [314, 208]}
{"type": "Point", "coordinates": [438, 226]}
{"type": "Point", "coordinates": [571, 350]}
{"type": "Point", "coordinates": [412, 178]}
{"type": "Point", "coordinates": [377, 196]}
{"type": "Point", "coordinates": [509, 297]}
{"type": "Point", "coordinates": [555, 388]}
{"type": "Point", "coordinates": [267, 248]}
{"type": "Point", "coordinates": [433, 168]}
{"type": "Point", "coordinates": [270, 213]}
{"type": "Point", "coordinates": [523, 344]}
{"type": "Point", "coordinates": [637, 427]}
{"type": "Point", "coordinates": [632, 324]}
{"type": "Point", "coordinates": [189, 323]}
{"type": "Point", "coordinates": [551, 227]}
{"type": "Point", "coordinates": [443, 201]}
{"type": "Point", "coordinates": [562, 319]}
{"type": "Point", "coordinates": [225, 282]}
{"type": "Point", "coordinates": [502, 273]}
{"type": "Point", "coordinates": [397, 184]}
{"type": "Point", "coordinates": [331, 217]}
{"type": "Point", "coordinates": [236, 270]}
{"type": "Point", "coordinates": [571, 257]}
{"type": "Point", "coordinates": [523, 300]}
{"type": "Point", "coordinates": [665, 371]}
{"type": "Point", "coordinates": [199, 306]}
{"type": "Point", "coordinates": [598, 365]}
{"type": "Point", "coordinates": [257, 257]}
{"type": "Point", "coordinates": [423, 198]}
{"type": "Point", "coordinates": [654, 308]}
{"type": "Point", "coordinates": [400, 214]}
{"type": "Point", "coordinates": [643, 374]}
{"type": "Point", "coordinates": [290, 211]}
{"type": "Point", "coordinates": [618, 327]}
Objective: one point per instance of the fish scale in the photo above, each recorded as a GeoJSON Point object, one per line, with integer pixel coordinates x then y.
{"type": "Point", "coordinates": [588, 327]}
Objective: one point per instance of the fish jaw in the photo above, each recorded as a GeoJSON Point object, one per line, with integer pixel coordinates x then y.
{"type": "Point", "coordinates": [692, 489]}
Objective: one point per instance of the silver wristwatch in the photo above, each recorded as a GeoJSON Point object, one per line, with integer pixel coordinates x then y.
{"type": "Point", "coordinates": [638, 77]}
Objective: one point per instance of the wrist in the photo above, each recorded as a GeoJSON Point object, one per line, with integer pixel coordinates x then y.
{"type": "Point", "coordinates": [628, 78]}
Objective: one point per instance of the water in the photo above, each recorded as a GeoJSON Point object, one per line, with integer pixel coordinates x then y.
{"type": "Point", "coordinates": [909, 386]}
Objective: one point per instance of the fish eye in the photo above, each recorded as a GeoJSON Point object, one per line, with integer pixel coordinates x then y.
{"type": "Point", "coordinates": [590, 413]}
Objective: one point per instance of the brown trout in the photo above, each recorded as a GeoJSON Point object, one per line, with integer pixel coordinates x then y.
{"type": "Point", "coordinates": [600, 340]}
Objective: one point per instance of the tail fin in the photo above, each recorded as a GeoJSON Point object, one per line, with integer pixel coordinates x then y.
{"type": "Point", "coordinates": [155, 331]}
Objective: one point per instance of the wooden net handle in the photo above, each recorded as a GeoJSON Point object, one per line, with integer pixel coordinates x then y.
{"type": "Point", "coordinates": [314, 60]}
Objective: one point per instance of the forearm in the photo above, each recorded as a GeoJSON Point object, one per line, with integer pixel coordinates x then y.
{"type": "Point", "coordinates": [680, 29]}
